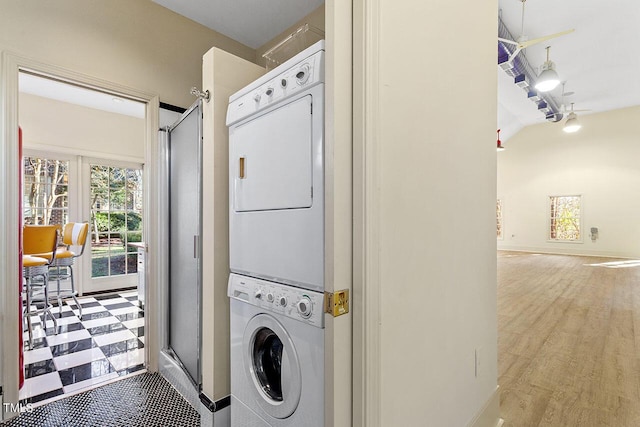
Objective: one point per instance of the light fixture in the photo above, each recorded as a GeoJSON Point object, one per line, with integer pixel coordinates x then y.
{"type": "Point", "coordinates": [500, 147]}
{"type": "Point", "coordinates": [572, 124]}
{"type": "Point", "coordinates": [548, 78]}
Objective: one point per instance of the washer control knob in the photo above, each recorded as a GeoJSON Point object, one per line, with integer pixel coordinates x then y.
{"type": "Point", "coordinates": [258, 294]}
{"type": "Point", "coordinates": [283, 301]}
{"type": "Point", "coordinates": [269, 297]}
{"type": "Point", "coordinates": [304, 307]}
{"type": "Point", "coordinates": [283, 82]}
{"type": "Point", "coordinates": [257, 97]}
{"type": "Point", "coordinates": [269, 91]}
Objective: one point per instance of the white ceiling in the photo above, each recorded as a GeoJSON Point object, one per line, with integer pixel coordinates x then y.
{"type": "Point", "coordinates": [600, 61]}
{"type": "Point", "coordinates": [251, 22]}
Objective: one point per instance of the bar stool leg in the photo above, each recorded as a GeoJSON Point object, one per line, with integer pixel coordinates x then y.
{"type": "Point", "coordinates": [73, 293]}
{"type": "Point", "coordinates": [47, 308]}
{"type": "Point", "coordinates": [58, 290]}
{"type": "Point", "coordinates": [29, 326]}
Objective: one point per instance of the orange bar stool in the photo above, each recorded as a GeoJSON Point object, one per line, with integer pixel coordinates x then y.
{"type": "Point", "coordinates": [74, 235]}
{"type": "Point", "coordinates": [39, 245]}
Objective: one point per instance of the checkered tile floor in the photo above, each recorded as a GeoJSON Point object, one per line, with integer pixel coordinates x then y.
{"type": "Point", "coordinates": [107, 343]}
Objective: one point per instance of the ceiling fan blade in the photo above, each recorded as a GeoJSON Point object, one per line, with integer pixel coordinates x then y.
{"type": "Point", "coordinates": [508, 41]}
{"type": "Point", "coordinates": [515, 53]}
{"type": "Point", "coordinates": [541, 39]}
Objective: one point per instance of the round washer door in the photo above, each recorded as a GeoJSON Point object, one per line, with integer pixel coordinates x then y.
{"type": "Point", "coordinates": [272, 366]}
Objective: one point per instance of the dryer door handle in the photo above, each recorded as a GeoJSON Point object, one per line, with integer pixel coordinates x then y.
{"type": "Point", "coordinates": [241, 168]}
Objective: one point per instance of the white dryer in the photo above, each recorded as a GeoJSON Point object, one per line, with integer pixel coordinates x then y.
{"type": "Point", "coordinates": [277, 354]}
{"type": "Point", "coordinates": [276, 167]}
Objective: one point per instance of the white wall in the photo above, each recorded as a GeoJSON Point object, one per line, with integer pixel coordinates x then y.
{"type": "Point", "coordinates": [599, 162]}
{"type": "Point", "coordinates": [59, 126]}
{"type": "Point", "coordinates": [223, 75]}
{"type": "Point", "coordinates": [436, 174]}
{"type": "Point", "coordinates": [138, 44]}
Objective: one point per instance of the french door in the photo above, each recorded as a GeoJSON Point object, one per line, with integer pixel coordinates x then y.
{"type": "Point", "coordinates": [113, 207]}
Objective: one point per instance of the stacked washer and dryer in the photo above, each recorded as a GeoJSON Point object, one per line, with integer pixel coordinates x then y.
{"type": "Point", "coordinates": [276, 236]}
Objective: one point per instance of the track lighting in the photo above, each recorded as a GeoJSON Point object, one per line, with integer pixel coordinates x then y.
{"type": "Point", "coordinates": [500, 147]}
{"type": "Point", "coordinates": [548, 78]}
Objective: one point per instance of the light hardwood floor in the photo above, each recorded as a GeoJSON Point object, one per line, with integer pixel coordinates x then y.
{"type": "Point", "coordinates": [568, 340]}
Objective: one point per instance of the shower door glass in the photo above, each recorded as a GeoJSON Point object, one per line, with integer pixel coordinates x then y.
{"type": "Point", "coordinates": [185, 277]}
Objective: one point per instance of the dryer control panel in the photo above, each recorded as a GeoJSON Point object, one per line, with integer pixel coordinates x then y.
{"type": "Point", "coordinates": [300, 304]}
{"type": "Point", "coordinates": [299, 73]}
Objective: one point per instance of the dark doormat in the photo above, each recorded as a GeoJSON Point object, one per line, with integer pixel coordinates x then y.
{"type": "Point", "coordinates": [143, 400]}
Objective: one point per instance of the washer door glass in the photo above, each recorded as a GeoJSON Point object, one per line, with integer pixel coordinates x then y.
{"type": "Point", "coordinates": [267, 362]}
{"type": "Point", "coordinates": [272, 365]}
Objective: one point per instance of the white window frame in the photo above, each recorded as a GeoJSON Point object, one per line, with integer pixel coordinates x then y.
{"type": "Point", "coordinates": [74, 196]}
{"type": "Point", "coordinates": [93, 284]}
{"type": "Point", "coordinates": [548, 215]}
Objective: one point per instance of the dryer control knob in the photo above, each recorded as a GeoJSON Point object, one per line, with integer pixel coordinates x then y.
{"type": "Point", "coordinates": [269, 297]}
{"type": "Point", "coordinates": [258, 294]}
{"type": "Point", "coordinates": [257, 97]}
{"type": "Point", "coordinates": [304, 307]}
{"type": "Point", "coordinates": [283, 301]}
{"type": "Point", "coordinates": [269, 91]}
{"type": "Point", "coordinates": [283, 82]}
{"type": "Point", "coordinates": [303, 74]}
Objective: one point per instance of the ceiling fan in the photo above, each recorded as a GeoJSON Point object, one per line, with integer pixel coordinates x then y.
{"type": "Point", "coordinates": [563, 106]}
{"type": "Point", "coordinates": [523, 42]}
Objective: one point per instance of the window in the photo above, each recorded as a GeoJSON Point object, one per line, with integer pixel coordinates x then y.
{"type": "Point", "coordinates": [116, 219]}
{"type": "Point", "coordinates": [565, 218]}
{"type": "Point", "coordinates": [46, 191]}
{"type": "Point", "coordinates": [499, 218]}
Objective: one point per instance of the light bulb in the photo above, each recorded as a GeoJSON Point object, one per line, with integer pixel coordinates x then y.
{"type": "Point", "coordinates": [548, 79]}
{"type": "Point", "coordinates": [572, 125]}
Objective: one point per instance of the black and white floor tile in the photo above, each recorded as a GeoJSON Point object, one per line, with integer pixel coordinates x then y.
{"type": "Point", "coordinates": [106, 344]}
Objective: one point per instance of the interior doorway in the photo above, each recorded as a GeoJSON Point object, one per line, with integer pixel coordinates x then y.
{"type": "Point", "coordinates": [97, 342]}
{"type": "Point", "coordinates": [99, 335]}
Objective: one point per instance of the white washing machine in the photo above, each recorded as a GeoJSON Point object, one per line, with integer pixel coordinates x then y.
{"type": "Point", "coordinates": [277, 354]}
{"type": "Point", "coordinates": [276, 167]}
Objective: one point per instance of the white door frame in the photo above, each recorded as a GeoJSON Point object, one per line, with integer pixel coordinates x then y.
{"type": "Point", "coordinates": [367, 376]}
{"type": "Point", "coordinates": [10, 65]}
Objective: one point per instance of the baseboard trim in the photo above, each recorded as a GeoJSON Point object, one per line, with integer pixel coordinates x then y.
{"type": "Point", "coordinates": [560, 251]}
{"type": "Point", "coordinates": [489, 415]}
{"type": "Point", "coordinates": [217, 405]}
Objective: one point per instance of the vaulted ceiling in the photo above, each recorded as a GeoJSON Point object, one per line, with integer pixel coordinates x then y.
{"type": "Point", "coordinates": [600, 61]}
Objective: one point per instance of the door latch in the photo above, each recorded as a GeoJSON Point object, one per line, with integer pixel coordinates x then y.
{"type": "Point", "coordinates": [336, 303]}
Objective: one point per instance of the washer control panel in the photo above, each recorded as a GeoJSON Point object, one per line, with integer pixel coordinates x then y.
{"type": "Point", "coordinates": [300, 304]}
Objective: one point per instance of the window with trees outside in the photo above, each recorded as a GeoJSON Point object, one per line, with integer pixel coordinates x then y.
{"type": "Point", "coordinates": [565, 218]}
{"type": "Point", "coordinates": [116, 219]}
{"type": "Point", "coordinates": [46, 191]}
{"type": "Point", "coordinates": [499, 218]}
